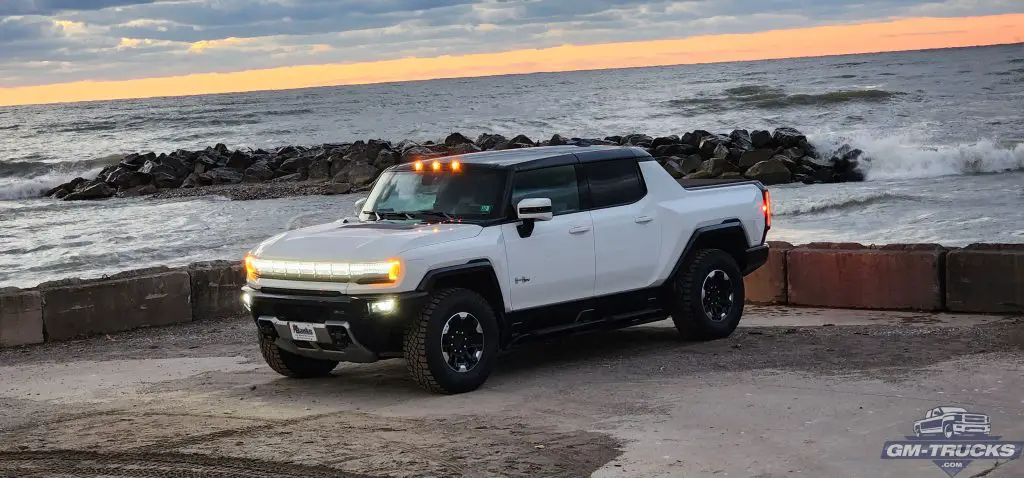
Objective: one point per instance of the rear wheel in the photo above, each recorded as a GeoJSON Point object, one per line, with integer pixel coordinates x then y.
{"type": "Point", "coordinates": [707, 296]}
{"type": "Point", "coordinates": [452, 346]}
{"type": "Point", "coordinates": [291, 365]}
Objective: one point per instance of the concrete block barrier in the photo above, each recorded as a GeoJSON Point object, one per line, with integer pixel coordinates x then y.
{"type": "Point", "coordinates": [76, 308]}
{"type": "Point", "coordinates": [899, 277]}
{"type": "Point", "coordinates": [986, 278]}
{"type": "Point", "coordinates": [217, 289]}
{"type": "Point", "coordinates": [21, 317]}
{"type": "Point", "coordinates": [767, 285]}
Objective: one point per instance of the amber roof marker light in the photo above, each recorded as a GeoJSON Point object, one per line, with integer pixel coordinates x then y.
{"type": "Point", "coordinates": [436, 165]}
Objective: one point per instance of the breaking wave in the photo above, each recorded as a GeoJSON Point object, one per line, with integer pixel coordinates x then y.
{"type": "Point", "coordinates": [901, 156]}
{"type": "Point", "coordinates": [28, 179]}
{"type": "Point", "coordinates": [839, 203]}
{"type": "Point", "coordinates": [772, 97]}
{"type": "Point", "coordinates": [33, 169]}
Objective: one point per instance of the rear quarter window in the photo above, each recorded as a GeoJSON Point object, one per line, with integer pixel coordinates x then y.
{"type": "Point", "coordinates": [614, 183]}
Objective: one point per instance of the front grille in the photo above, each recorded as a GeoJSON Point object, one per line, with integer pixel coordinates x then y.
{"type": "Point", "coordinates": [301, 292]}
{"type": "Point", "coordinates": [299, 313]}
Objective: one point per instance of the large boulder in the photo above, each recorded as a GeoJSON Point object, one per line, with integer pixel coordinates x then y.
{"type": "Point", "coordinates": [770, 172]}
{"type": "Point", "coordinates": [125, 178]}
{"type": "Point", "coordinates": [672, 166]}
{"type": "Point", "coordinates": [721, 152]}
{"type": "Point", "coordinates": [356, 174]}
{"type": "Point", "coordinates": [293, 165]}
{"type": "Point", "coordinates": [717, 166]}
{"type": "Point", "coordinates": [691, 163]}
{"type": "Point", "coordinates": [63, 190]}
{"type": "Point", "coordinates": [557, 140]}
{"type": "Point", "coordinates": [788, 137]}
{"type": "Point", "coordinates": [522, 139]}
{"type": "Point", "coordinates": [134, 161]}
{"type": "Point", "coordinates": [456, 139]}
{"type": "Point", "coordinates": [674, 149]}
{"type": "Point", "coordinates": [226, 175]}
{"type": "Point", "coordinates": [95, 191]}
{"type": "Point", "coordinates": [320, 167]}
{"type": "Point", "coordinates": [761, 139]}
{"type": "Point", "coordinates": [664, 140]}
{"type": "Point", "coordinates": [387, 158]}
{"type": "Point", "coordinates": [741, 139]}
{"type": "Point", "coordinates": [166, 180]}
{"type": "Point", "coordinates": [638, 140]}
{"type": "Point", "coordinates": [238, 160]}
{"type": "Point", "coordinates": [465, 148]}
{"type": "Point", "coordinates": [260, 171]}
{"type": "Point", "coordinates": [709, 145]}
{"type": "Point", "coordinates": [750, 159]}
{"type": "Point", "coordinates": [153, 168]}
{"type": "Point", "coordinates": [490, 141]}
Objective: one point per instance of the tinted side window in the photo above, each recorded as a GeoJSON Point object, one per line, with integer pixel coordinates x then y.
{"type": "Point", "coordinates": [614, 183]}
{"type": "Point", "coordinates": [557, 183]}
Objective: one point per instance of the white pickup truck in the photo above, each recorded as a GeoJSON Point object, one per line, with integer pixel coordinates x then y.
{"type": "Point", "coordinates": [452, 260]}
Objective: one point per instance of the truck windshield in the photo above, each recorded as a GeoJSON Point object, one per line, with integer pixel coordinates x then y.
{"type": "Point", "coordinates": [468, 195]}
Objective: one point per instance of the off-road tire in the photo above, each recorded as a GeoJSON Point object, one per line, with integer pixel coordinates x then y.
{"type": "Point", "coordinates": [422, 344]}
{"type": "Point", "coordinates": [685, 297]}
{"type": "Point", "coordinates": [291, 365]}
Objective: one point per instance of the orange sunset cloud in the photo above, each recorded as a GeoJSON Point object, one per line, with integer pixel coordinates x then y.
{"type": "Point", "coordinates": [896, 35]}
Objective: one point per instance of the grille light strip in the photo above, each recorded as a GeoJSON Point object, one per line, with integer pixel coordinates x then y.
{"type": "Point", "coordinates": [323, 271]}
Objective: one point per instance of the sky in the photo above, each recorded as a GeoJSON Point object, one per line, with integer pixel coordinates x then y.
{"type": "Point", "coordinates": [72, 50]}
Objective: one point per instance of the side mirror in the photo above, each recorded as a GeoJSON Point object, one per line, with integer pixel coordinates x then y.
{"type": "Point", "coordinates": [359, 206]}
{"type": "Point", "coordinates": [538, 209]}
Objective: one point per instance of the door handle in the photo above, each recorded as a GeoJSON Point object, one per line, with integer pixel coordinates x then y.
{"type": "Point", "coordinates": [643, 219]}
{"type": "Point", "coordinates": [579, 229]}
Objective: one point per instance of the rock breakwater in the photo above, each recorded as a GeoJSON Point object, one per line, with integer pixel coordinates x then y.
{"type": "Point", "coordinates": [781, 156]}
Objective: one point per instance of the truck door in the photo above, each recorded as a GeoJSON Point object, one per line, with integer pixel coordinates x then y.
{"type": "Point", "coordinates": [627, 233]}
{"type": "Point", "coordinates": [555, 263]}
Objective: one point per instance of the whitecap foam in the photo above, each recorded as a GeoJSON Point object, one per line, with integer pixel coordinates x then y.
{"type": "Point", "coordinates": [25, 188]}
{"type": "Point", "coordinates": [902, 156]}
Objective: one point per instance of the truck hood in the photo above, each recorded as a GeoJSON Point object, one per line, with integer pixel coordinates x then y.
{"type": "Point", "coordinates": [360, 241]}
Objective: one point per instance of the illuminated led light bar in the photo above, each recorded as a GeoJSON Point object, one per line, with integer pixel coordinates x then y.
{"type": "Point", "coordinates": [366, 273]}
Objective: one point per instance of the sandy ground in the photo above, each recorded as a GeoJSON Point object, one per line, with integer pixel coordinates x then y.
{"type": "Point", "coordinates": [795, 392]}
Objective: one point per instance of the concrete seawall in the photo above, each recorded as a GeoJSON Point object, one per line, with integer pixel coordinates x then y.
{"type": "Point", "coordinates": [984, 278]}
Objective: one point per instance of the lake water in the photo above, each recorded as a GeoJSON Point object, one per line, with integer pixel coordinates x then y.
{"type": "Point", "coordinates": [943, 128]}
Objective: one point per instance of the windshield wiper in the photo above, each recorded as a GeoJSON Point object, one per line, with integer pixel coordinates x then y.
{"type": "Point", "coordinates": [410, 215]}
{"type": "Point", "coordinates": [440, 214]}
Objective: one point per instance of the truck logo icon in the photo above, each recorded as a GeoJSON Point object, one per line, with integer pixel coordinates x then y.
{"type": "Point", "coordinates": [950, 422]}
{"type": "Point", "coordinates": [952, 438]}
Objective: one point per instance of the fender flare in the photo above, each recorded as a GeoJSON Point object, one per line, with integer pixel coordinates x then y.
{"type": "Point", "coordinates": [728, 225]}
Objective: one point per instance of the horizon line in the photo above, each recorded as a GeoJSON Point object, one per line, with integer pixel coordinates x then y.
{"type": "Point", "coordinates": [675, 51]}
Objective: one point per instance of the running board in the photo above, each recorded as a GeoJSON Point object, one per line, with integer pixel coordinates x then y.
{"type": "Point", "coordinates": [613, 322]}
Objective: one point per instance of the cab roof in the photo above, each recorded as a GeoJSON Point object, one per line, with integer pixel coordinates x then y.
{"type": "Point", "coordinates": [541, 156]}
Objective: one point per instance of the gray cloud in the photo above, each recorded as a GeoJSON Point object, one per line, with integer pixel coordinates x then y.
{"type": "Point", "coordinates": [50, 7]}
{"type": "Point", "coordinates": [43, 41]}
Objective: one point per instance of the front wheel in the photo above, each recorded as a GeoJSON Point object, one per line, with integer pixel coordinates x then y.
{"type": "Point", "coordinates": [452, 346]}
{"type": "Point", "coordinates": [707, 296]}
{"type": "Point", "coordinates": [291, 365]}
{"type": "Point", "coordinates": [947, 431]}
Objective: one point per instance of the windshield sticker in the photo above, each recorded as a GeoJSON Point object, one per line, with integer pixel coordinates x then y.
{"type": "Point", "coordinates": [485, 208]}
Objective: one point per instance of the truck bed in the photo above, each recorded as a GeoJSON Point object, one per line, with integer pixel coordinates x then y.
{"type": "Point", "coordinates": [712, 183]}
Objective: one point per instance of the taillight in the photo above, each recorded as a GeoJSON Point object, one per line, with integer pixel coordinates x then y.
{"type": "Point", "coordinates": [766, 207]}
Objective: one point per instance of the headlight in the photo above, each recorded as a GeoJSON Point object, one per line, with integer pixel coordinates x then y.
{"type": "Point", "coordinates": [362, 272]}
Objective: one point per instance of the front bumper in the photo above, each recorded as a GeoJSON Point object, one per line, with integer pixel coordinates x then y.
{"type": "Point", "coordinates": [346, 328]}
{"type": "Point", "coordinates": [972, 428]}
{"type": "Point", "coordinates": [756, 257]}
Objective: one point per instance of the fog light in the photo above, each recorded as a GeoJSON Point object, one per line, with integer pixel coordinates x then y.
{"type": "Point", "coordinates": [247, 301]}
{"type": "Point", "coordinates": [385, 306]}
